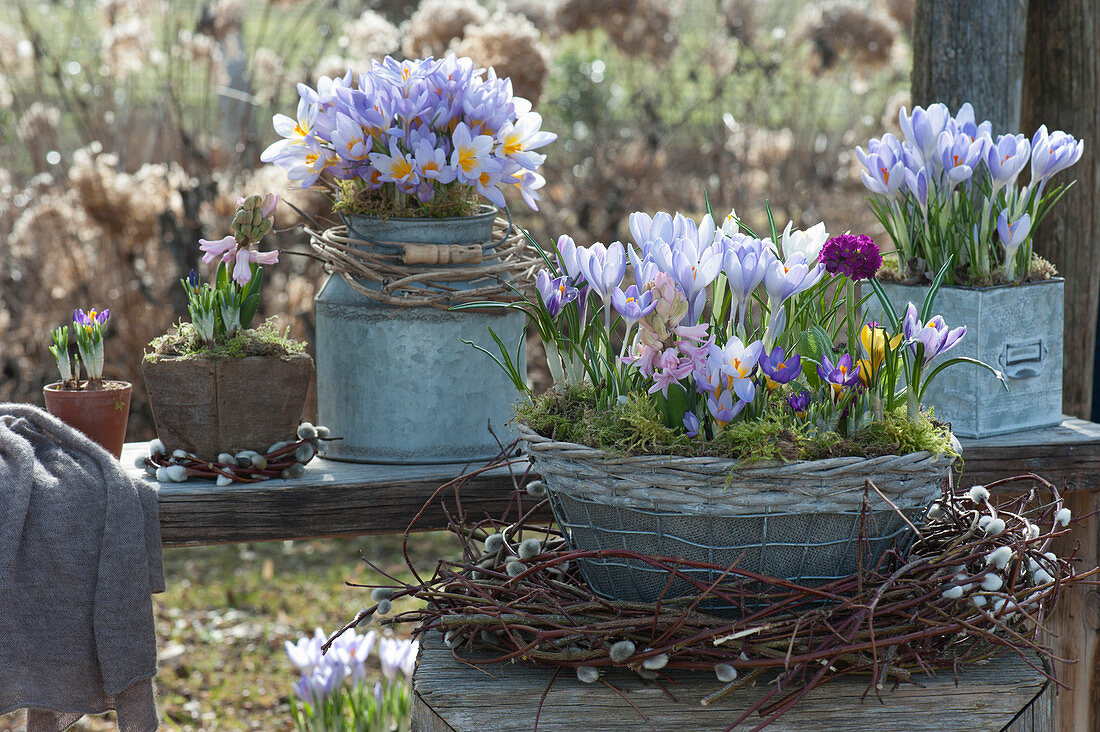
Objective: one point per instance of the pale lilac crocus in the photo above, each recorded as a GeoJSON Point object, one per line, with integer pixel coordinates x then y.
{"type": "Point", "coordinates": [784, 279]}
{"type": "Point", "coordinates": [397, 654]}
{"type": "Point", "coordinates": [917, 184]}
{"type": "Point", "coordinates": [305, 654]}
{"type": "Point", "coordinates": [957, 155]}
{"type": "Point", "coordinates": [1052, 153]}
{"type": "Point", "coordinates": [723, 407]}
{"type": "Point", "coordinates": [884, 170]}
{"type": "Point", "coordinates": [935, 337]}
{"type": "Point", "coordinates": [691, 424]}
{"type": "Point", "coordinates": [556, 293]}
{"type": "Point", "coordinates": [922, 128]}
{"type": "Point", "coordinates": [1006, 158]}
{"type": "Point", "coordinates": [604, 269]}
{"type": "Point", "coordinates": [1012, 235]}
{"type": "Point", "coordinates": [633, 304]}
{"type": "Point", "coordinates": [319, 683]}
{"type": "Point", "coordinates": [352, 650]}
{"type": "Point", "coordinates": [735, 363]}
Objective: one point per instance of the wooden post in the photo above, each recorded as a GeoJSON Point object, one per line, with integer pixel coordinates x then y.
{"type": "Point", "coordinates": [971, 52]}
{"type": "Point", "coordinates": [1062, 90]}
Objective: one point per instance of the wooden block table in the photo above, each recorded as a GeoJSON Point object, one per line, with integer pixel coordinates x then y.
{"type": "Point", "coordinates": [449, 696]}
{"type": "Point", "coordinates": [345, 499]}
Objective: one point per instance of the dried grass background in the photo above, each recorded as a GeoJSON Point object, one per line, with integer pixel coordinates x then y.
{"type": "Point", "coordinates": [129, 127]}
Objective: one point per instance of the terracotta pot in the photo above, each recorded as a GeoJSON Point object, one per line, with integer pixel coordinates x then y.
{"type": "Point", "coordinates": [101, 414]}
{"type": "Point", "coordinates": [206, 406]}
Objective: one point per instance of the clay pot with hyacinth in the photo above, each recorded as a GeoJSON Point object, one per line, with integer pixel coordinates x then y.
{"type": "Point", "coordinates": [216, 385]}
{"type": "Point", "coordinates": [98, 407]}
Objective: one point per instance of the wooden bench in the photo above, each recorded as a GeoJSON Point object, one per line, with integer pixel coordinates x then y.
{"type": "Point", "coordinates": [345, 499]}
{"type": "Point", "coordinates": [449, 696]}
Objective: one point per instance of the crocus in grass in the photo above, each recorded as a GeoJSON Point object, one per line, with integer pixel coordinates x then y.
{"type": "Point", "coordinates": [840, 376]}
{"type": "Point", "coordinates": [854, 256]}
{"type": "Point", "coordinates": [352, 649]}
{"type": "Point", "coordinates": [556, 293]}
{"type": "Point", "coordinates": [779, 370]}
{"type": "Point", "coordinates": [319, 683]}
{"type": "Point", "coordinates": [800, 403]}
{"type": "Point", "coordinates": [305, 653]}
{"type": "Point", "coordinates": [397, 655]}
{"type": "Point", "coordinates": [934, 336]}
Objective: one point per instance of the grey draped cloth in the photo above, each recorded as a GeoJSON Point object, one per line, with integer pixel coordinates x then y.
{"type": "Point", "coordinates": [79, 560]}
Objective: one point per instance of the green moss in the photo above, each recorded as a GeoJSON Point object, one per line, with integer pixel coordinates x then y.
{"type": "Point", "coordinates": [635, 427]}
{"type": "Point", "coordinates": [354, 197]}
{"type": "Point", "coordinates": [1038, 271]}
{"type": "Point", "coordinates": [266, 340]}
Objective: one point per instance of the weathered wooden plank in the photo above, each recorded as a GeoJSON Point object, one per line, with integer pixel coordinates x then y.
{"type": "Point", "coordinates": [1067, 455]}
{"type": "Point", "coordinates": [506, 698]}
{"type": "Point", "coordinates": [331, 499]}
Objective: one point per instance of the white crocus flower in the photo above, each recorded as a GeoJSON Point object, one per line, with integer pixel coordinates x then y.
{"type": "Point", "coordinates": [808, 242]}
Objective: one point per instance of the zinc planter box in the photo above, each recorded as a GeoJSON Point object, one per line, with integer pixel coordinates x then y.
{"type": "Point", "coordinates": [1015, 329]}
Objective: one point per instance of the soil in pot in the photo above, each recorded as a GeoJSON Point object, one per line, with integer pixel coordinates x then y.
{"type": "Point", "coordinates": [101, 414]}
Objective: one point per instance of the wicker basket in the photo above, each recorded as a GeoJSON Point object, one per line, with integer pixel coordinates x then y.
{"type": "Point", "coordinates": [800, 521]}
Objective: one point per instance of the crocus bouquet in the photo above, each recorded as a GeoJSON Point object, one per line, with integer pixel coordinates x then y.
{"type": "Point", "coordinates": [218, 312]}
{"type": "Point", "coordinates": [332, 691]}
{"type": "Point", "coordinates": [421, 137]}
{"type": "Point", "coordinates": [950, 190]}
{"type": "Point", "coordinates": [721, 332]}
{"type": "Point", "coordinates": [88, 329]}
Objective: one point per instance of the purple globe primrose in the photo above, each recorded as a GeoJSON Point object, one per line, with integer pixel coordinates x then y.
{"type": "Point", "coordinates": [800, 403]}
{"type": "Point", "coordinates": [884, 168]}
{"type": "Point", "coordinates": [555, 293]}
{"type": "Point", "coordinates": [632, 304]}
{"type": "Point", "coordinates": [779, 371]}
{"type": "Point", "coordinates": [841, 376]}
{"type": "Point", "coordinates": [935, 337]}
{"type": "Point", "coordinates": [855, 257]}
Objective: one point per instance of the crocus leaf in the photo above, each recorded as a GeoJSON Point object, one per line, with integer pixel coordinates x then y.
{"type": "Point", "coordinates": [960, 359]}
{"type": "Point", "coordinates": [930, 296]}
{"type": "Point", "coordinates": [814, 343]}
{"type": "Point", "coordinates": [887, 306]}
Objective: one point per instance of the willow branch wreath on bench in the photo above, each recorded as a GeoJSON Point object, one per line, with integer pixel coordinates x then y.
{"type": "Point", "coordinates": [979, 580]}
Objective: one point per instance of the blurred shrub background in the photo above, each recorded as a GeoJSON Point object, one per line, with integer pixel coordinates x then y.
{"type": "Point", "coordinates": [129, 127]}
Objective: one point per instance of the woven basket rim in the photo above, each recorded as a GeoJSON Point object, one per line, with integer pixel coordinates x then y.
{"type": "Point", "coordinates": [742, 467]}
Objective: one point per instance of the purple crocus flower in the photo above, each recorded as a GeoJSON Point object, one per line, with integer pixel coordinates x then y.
{"type": "Point", "coordinates": [91, 318]}
{"type": "Point", "coordinates": [1052, 153]}
{"type": "Point", "coordinates": [779, 371]}
{"type": "Point", "coordinates": [934, 335]}
{"type": "Point", "coordinates": [922, 128]}
{"type": "Point", "coordinates": [555, 293]}
{"type": "Point", "coordinates": [917, 183]}
{"type": "Point", "coordinates": [1014, 234]}
{"type": "Point", "coordinates": [784, 279]}
{"type": "Point", "coordinates": [723, 407]}
{"type": "Point", "coordinates": [885, 169]}
{"type": "Point", "coordinates": [841, 376]}
{"type": "Point", "coordinates": [958, 154]}
{"type": "Point", "coordinates": [745, 263]}
{"type": "Point", "coordinates": [855, 257]}
{"type": "Point", "coordinates": [799, 403]}
{"type": "Point", "coordinates": [320, 683]}
{"type": "Point", "coordinates": [1006, 159]}
{"type": "Point", "coordinates": [691, 424]}
{"type": "Point", "coordinates": [569, 258]}
{"type": "Point", "coordinates": [632, 304]}
{"type": "Point", "coordinates": [603, 267]}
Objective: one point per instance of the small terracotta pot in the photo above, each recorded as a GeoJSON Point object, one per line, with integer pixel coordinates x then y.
{"type": "Point", "coordinates": [206, 406]}
{"type": "Point", "coordinates": [101, 414]}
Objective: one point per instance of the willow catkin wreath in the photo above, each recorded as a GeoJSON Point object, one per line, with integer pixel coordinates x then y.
{"type": "Point", "coordinates": [979, 580]}
{"type": "Point", "coordinates": [393, 277]}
